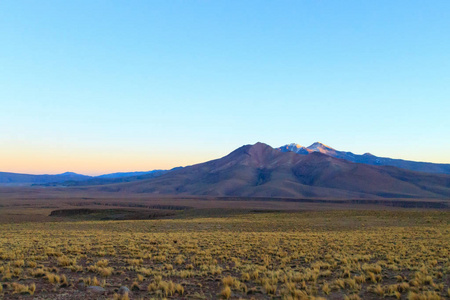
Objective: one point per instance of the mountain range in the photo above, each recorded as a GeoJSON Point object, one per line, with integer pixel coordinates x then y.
{"type": "Point", "coordinates": [368, 158]}
{"type": "Point", "coordinates": [258, 170]}
{"type": "Point", "coordinates": [71, 179]}
{"type": "Point", "coordinates": [111, 178]}
{"type": "Point", "coordinates": [17, 179]}
{"type": "Point", "coordinates": [261, 171]}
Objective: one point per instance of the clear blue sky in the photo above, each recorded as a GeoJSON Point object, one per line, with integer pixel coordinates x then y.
{"type": "Point", "coordinates": [103, 86]}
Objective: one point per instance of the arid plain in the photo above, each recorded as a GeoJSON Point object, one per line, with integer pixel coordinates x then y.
{"type": "Point", "coordinates": [60, 244]}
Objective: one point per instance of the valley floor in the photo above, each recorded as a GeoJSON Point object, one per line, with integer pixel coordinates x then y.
{"type": "Point", "coordinates": [330, 254]}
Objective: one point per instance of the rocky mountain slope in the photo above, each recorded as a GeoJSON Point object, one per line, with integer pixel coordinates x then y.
{"type": "Point", "coordinates": [262, 171]}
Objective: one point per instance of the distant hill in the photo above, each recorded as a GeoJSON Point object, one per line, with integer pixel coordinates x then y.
{"type": "Point", "coordinates": [73, 179]}
{"type": "Point", "coordinates": [127, 174]}
{"type": "Point", "coordinates": [262, 171]}
{"type": "Point", "coordinates": [17, 179]}
{"type": "Point", "coordinates": [113, 178]}
{"type": "Point", "coordinates": [368, 158]}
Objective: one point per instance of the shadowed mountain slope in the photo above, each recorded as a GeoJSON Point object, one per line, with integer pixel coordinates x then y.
{"type": "Point", "coordinates": [261, 171]}
{"type": "Point", "coordinates": [368, 158]}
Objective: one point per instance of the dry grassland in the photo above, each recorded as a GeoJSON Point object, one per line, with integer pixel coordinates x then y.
{"type": "Point", "coordinates": [304, 255]}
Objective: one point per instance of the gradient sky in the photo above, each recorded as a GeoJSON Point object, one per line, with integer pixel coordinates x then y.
{"type": "Point", "coordinates": [104, 86]}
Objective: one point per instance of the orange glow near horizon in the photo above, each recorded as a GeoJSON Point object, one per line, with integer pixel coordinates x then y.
{"type": "Point", "coordinates": [96, 163]}
{"type": "Point", "coordinates": [55, 161]}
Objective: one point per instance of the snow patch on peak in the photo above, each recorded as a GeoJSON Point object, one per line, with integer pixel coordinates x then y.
{"type": "Point", "coordinates": [294, 145]}
{"type": "Point", "coordinates": [318, 146]}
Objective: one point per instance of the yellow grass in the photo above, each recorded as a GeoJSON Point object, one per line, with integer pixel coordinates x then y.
{"type": "Point", "coordinates": [401, 255]}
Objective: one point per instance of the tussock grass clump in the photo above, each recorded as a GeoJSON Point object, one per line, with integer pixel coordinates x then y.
{"type": "Point", "coordinates": [360, 279]}
{"type": "Point", "coordinates": [93, 281]}
{"type": "Point", "coordinates": [326, 288]}
{"type": "Point", "coordinates": [374, 268]}
{"type": "Point", "coordinates": [135, 262]}
{"type": "Point", "coordinates": [135, 286]}
{"type": "Point", "coordinates": [102, 271]}
{"type": "Point", "coordinates": [186, 274]}
{"type": "Point", "coordinates": [64, 261]}
{"type": "Point", "coordinates": [121, 296]}
{"type": "Point", "coordinates": [428, 295]}
{"type": "Point", "coordinates": [403, 287]}
{"type": "Point", "coordinates": [226, 292]}
{"type": "Point", "coordinates": [53, 278]}
{"type": "Point", "coordinates": [64, 281]}
{"type": "Point", "coordinates": [23, 289]}
{"type": "Point", "coordinates": [105, 271]}
{"type": "Point", "coordinates": [102, 263]}
{"type": "Point", "coordinates": [145, 271]}
{"type": "Point", "coordinates": [166, 288]}
{"type": "Point", "coordinates": [245, 277]}
{"type": "Point", "coordinates": [17, 272]}
{"type": "Point", "coordinates": [179, 260]}
{"type": "Point", "coordinates": [76, 268]}
{"type": "Point", "coordinates": [38, 273]}
{"type": "Point", "coordinates": [228, 281]}
{"type": "Point", "coordinates": [339, 284]}
{"type": "Point", "coordinates": [378, 289]}
{"type": "Point", "coordinates": [31, 264]}
{"type": "Point", "coordinates": [140, 278]}
{"type": "Point", "coordinates": [7, 275]}
{"type": "Point", "coordinates": [179, 289]}
{"type": "Point", "coordinates": [270, 288]}
{"type": "Point", "coordinates": [352, 284]}
{"type": "Point", "coordinates": [19, 263]}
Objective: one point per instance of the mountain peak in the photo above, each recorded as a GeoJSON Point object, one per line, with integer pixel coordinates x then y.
{"type": "Point", "coordinates": [294, 145]}
{"type": "Point", "coordinates": [319, 144]}
{"type": "Point", "coordinates": [368, 154]}
{"type": "Point", "coordinates": [319, 147]}
{"type": "Point", "coordinates": [260, 145]}
{"type": "Point", "coordinates": [316, 147]}
{"type": "Point", "coordinates": [69, 173]}
{"type": "Point", "coordinates": [258, 148]}
{"type": "Point", "coordinates": [250, 149]}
